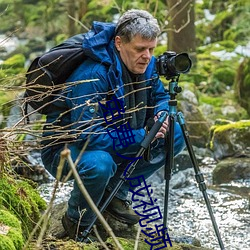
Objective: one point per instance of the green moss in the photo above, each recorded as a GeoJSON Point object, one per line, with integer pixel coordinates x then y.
{"type": "Point", "coordinates": [235, 125]}
{"type": "Point", "coordinates": [9, 219]}
{"type": "Point", "coordinates": [13, 71]}
{"type": "Point", "coordinates": [228, 45]}
{"type": "Point", "coordinates": [21, 199]}
{"type": "Point", "coordinates": [6, 243]}
{"type": "Point", "coordinates": [212, 100]}
{"type": "Point", "coordinates": [16, 61]}
{"type": "Point", "coordinates": [16, 237]}
{"type": "Point", "coordinates": [13, 239]}
{"type": "Point", "coordinates": [225, 75]}
{"type": "Point", "coordinates": [128, 244]}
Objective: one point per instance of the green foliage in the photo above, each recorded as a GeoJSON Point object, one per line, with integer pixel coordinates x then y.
{"type": "Point", "coordinates": [216, 67]}
{"type": "Point", "coordinates": [12, 67]}
{"type": "Point", "coordinates": [214, 101]}
{"type": "Point", "coordinates": [221, 23]}
{"type": "Point", "coordinates": [224, 75]}
{"type": "Point", "coordinates": [229, 23]}
{"type": "Point", "coordinates": [219, 102]}
{"type": "Point", "coordinates": [22, 200]}
{"type": "Point", "coordinates": [17, 61]}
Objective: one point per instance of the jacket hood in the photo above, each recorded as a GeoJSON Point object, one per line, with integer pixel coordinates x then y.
{"type": "Point", "coordinates": [98, 43]}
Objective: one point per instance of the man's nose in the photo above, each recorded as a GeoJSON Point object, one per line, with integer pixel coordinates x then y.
{"type": "Point", "coordinates": [146, 54]}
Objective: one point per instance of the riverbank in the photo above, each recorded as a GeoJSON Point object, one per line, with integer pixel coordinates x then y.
{"type": "Point", "coordinates": [188, 216]}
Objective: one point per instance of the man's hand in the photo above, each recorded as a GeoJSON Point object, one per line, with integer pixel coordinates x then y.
{"type": "Point", "coordinates": [164, 128]}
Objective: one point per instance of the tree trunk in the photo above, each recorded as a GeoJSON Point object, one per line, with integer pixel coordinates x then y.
{"type": "Point", "coordinates": [83, 7]}
{"type": "Point", "coordinates": [71, 6]}
{"type": "Point", "coordinates": [181, 28]}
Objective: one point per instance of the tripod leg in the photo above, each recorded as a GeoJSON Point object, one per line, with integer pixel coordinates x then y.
{"type": "Point", "coordinates": [168, 165]}
{"type": "Point", "coordinates": [199, 176]}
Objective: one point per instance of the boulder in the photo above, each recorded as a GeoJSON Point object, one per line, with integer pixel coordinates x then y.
{"type": "Point", "coordinates": [231, 169]}
{"type": "Point", "coordinates": [231, 139]}
{"type": "Point", "coordinates": [126, 235]}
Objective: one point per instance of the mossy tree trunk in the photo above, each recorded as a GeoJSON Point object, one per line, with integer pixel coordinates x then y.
{"type": "Point", "coordinates": [242, 85]}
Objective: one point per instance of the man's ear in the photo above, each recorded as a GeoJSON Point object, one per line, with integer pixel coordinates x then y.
{"type": "Point", "coordinates": [118, 42]}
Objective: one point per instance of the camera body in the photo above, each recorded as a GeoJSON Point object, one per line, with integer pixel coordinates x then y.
{"type": "Point", "coordinates": [171, 65]}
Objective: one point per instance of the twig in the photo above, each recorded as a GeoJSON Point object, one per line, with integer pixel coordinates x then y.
{"type": "Point", "coordinates": [77, 21]}
{"type": "Point", "coordinates": [99, 238]}
{"type": "Point", "coordinates": [137, 238]}
{"type": "Point", "coordinates": [66, 154]}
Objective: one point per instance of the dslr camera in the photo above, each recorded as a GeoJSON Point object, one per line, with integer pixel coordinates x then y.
{"type": "Point", "coordinates": [171, 65]}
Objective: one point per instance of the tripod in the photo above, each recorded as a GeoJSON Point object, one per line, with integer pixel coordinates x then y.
{"type": "Point", "coordinates": [173, 90]}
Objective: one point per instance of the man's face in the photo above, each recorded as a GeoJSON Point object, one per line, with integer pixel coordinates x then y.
{"type": "Point", "coordinates": [137, 53]}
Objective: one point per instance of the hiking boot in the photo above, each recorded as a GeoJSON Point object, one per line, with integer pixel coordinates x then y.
{"type": "Point", "coordinates": [121, 211]}
{"type": "Point", "coordinates": [75, 231]}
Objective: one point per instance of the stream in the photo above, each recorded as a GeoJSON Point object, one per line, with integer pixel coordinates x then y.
{"type": "Point", "coordinates": [188, 216]}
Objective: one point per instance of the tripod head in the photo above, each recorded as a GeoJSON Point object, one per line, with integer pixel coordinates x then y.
{"type": "Point", "coordinates": [174, 89]}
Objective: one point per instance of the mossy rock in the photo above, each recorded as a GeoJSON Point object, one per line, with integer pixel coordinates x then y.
{"type": "Point", "coordinates": [11, 237]}
{"type": "Point", "coordinates": [231, 139]}
{"type": "Point", "coordinates": [21, 199]}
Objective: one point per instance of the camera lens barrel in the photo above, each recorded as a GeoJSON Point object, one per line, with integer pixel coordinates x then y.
{"type": "Point", "coordinates": [180, 63]}
{"type": "Point", "coordinates": [171, 64]}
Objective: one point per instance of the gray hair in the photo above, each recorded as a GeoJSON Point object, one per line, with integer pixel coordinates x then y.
{"type": "Point", "coordinates": [137, 22]}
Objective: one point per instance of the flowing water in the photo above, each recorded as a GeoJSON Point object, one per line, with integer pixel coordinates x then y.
{"type": "Point", "coordinates": [187, 212]}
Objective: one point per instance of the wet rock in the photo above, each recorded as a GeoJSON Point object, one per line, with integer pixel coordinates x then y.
{"type": "Point", "coordinates": [121, 230]}
{"type": "Point", "coordinates": [231, 139]}
{"type": "Point", "coordinates": [231, 169]}
{"type": "Point", "coordinates": [181, 179]}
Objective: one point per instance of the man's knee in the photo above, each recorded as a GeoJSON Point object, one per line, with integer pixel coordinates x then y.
{"type": "Point", "coordinates": [97, 164]}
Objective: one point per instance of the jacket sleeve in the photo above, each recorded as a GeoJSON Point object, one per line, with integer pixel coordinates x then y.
{"type": "Point", "coordinates": [87, 118]}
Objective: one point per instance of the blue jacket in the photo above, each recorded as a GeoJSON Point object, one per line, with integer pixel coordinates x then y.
{"type": "Point", "coordinates": [85, 118]}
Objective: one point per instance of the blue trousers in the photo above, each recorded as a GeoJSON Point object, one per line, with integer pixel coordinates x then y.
{"type": "Point", "coordinates": [99, 170]}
